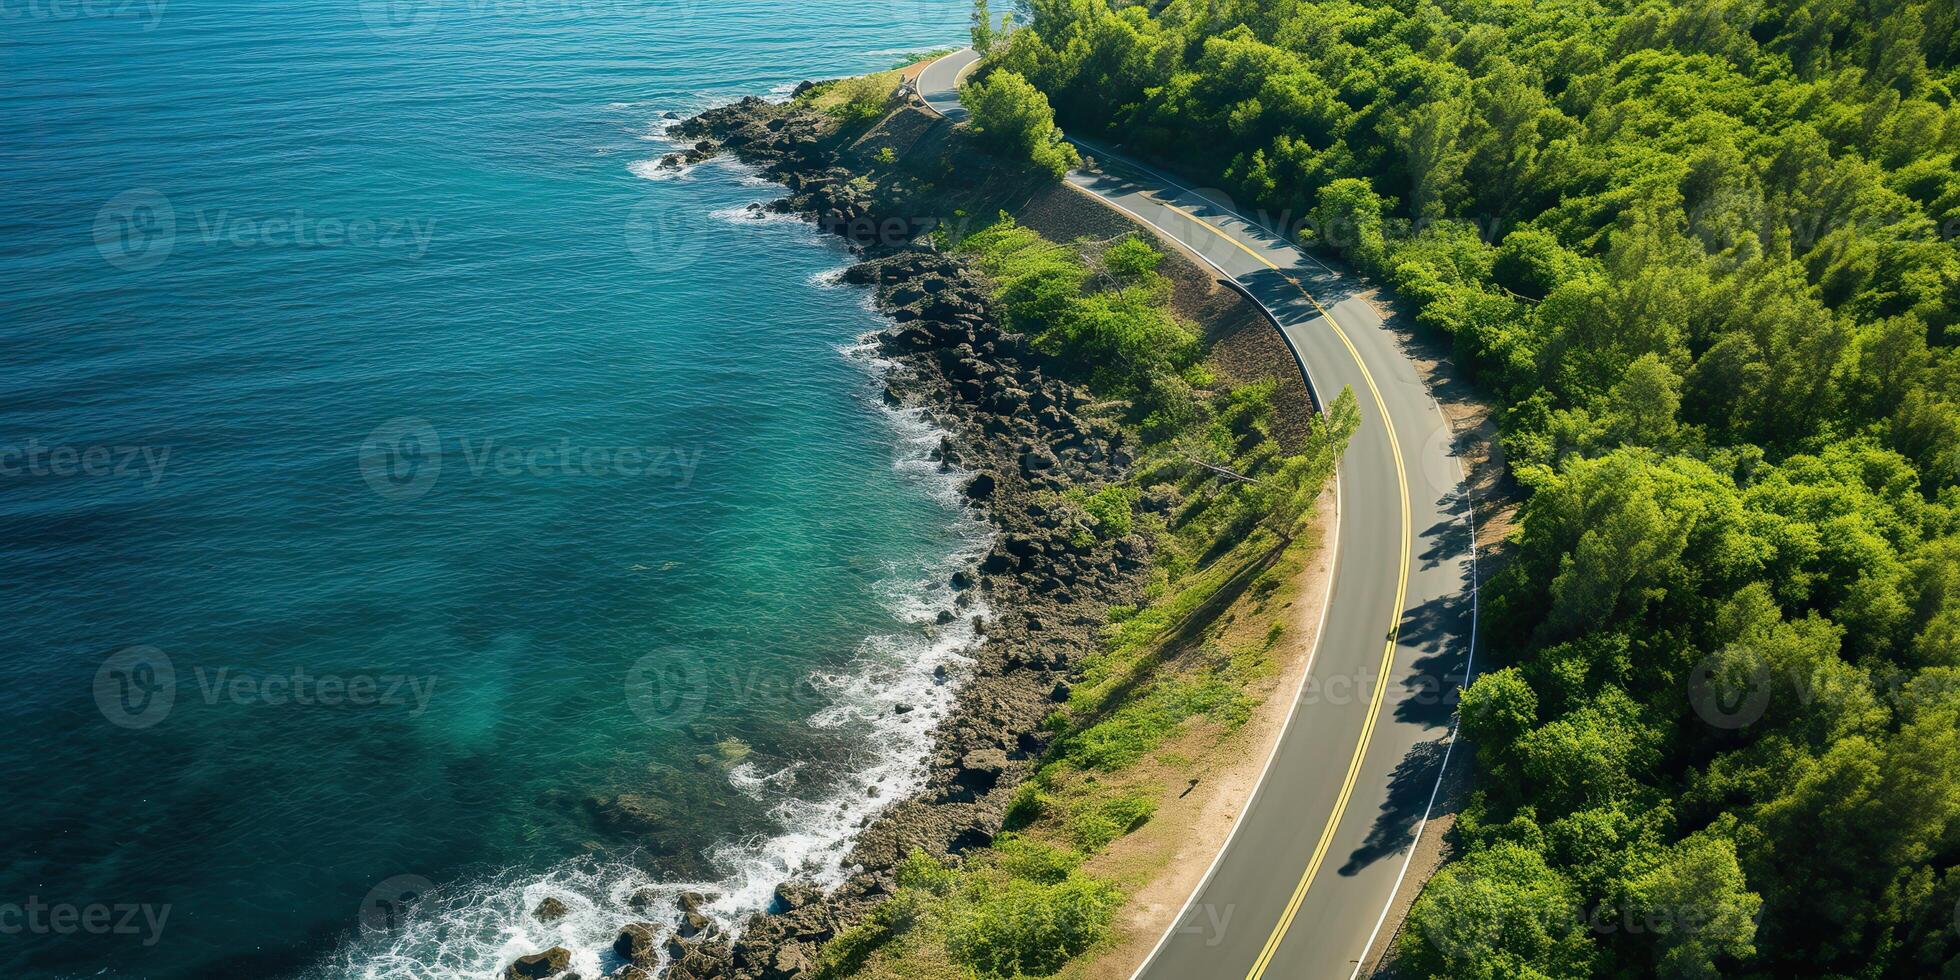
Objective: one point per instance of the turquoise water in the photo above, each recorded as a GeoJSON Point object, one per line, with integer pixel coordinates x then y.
{"type": "Point", "coordinates": [391, 468]}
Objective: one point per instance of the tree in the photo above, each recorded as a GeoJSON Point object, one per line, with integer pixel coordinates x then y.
{"type": "Point", "coordinates": [1015, 118]}
{"type": "Point", "coordinates": [1696, 905]}
{"type": "Point", "coordinates": [1701, 254]}
{"type": "Point", "coordinates": [1287, 494]}
{"type": "Point", "coordinates": [1497, 710]}
{"type": "Point", "coordinates": [983, 28]}
{"type": "Point", "coordinates": [1640, 407]}
{"type": "Point", "coordinates": [1500, 913]}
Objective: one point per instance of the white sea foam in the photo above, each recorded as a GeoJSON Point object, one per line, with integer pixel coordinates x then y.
{"type": "Point", "coordinates": [760, 215]}
{"type": "Point", "coordinates": [895, 690]}
{"type": "Point", "coordinates": [897, 52]}
{"type": "Point", "coordinates": [752, 782]}
{"type": "Point", "coordinates": [652, 170]}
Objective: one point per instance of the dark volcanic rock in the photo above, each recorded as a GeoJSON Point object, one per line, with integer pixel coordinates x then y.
{"type": "Point", "coordinates": [981, 487]}
{"type": "Point", "coordinates": [639, 943]}
{"type": "Point", "coordinates": [537, 966]}
{"type": "Point", "coordinates": [793, 895]}
{"type": "Point", "coordinates": [1022, 432]}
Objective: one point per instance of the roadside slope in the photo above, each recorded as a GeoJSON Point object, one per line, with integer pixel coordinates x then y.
{"type": "Point", "coordinates": [1314, 864]}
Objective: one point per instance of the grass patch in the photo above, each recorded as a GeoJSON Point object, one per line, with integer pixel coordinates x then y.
{"type": "Point", "coordinates": [1222, 504]}
{"type": "Point", "coordinates": [859, 99]}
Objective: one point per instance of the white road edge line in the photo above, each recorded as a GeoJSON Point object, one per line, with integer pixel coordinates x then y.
{"type": "Point", "coordinates": [1334, 565]}
{"type": "Point", "coordinates": [1326, 600]}
{"type": "Point", "coordinates": [1456, 721]}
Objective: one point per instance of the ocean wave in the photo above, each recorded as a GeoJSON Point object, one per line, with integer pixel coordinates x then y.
{"type": "Point", "coordinates": [754, 213]}
{"type": "Point", "coordinates": [895, 690]}
{"type": "Point", "coordinates": [830, 278]}
{"type": "Point", "coordinates": [749, 780]}
{"type": "Point", "coordinates": [651, 169]}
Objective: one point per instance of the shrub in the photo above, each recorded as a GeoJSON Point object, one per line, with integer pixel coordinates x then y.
{"type": "Point", "coordinates": [1112, 509]}
{"type": "Point", "coordinates": [1030, 859]}
{"type": "Point", "coordinates": [1094, 825]}
{"type": "Point", "coordinates": [1014, 117]}
{"type": "Point", "coordinates": [859, 99]}
{"type": "Point", "coordinates": [1132, 260]}
{"type": "Point", "coordinates": [1023, 928]}
{"type": "Point", "coordinates": [924, 872]}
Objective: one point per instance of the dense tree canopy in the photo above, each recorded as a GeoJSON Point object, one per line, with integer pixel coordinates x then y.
{"type": "Point", "coordinates": [1015, 118]}
{"type": "Point", "coordinates": [1702, 253]}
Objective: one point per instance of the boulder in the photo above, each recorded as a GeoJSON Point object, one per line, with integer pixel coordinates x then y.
{"type": "Point", "coordinates": [789, 962]}
{"type": "Point", "coordinates": [693, 924]}
{"type": "Point", "coordinates": [791, 895]}
{"type": "Point", "coordinates": [984, 760]}
{"type": "Point", "coordinates": [538, 966]}
{"type": "Point", "coordinates": [550, 910]}
{"type": "Point", "coordinates": [698, 959]}
{"type": "Point", "coordinates": [639, 943]}
{"type": "Point", "coordinates": [631, 813]}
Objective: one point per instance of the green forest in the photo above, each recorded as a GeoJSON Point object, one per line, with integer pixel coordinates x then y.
{"type": "Point", "coordinates": [1701, 256]}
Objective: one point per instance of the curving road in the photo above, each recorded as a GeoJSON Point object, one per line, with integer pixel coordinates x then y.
{"type": "Point", "coordinates": [1305, 879]}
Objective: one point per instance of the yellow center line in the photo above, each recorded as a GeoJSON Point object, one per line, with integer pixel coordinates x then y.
{"type": "Point", "coordinates": [1395, 620]}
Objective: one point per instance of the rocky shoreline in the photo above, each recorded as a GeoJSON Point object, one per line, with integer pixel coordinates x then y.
{"type": "Point", "coordinates": [1021, 434]}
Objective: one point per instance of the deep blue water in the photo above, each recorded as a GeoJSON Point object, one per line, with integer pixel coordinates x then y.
{"type": "Point", "coordinates": [389, 469]}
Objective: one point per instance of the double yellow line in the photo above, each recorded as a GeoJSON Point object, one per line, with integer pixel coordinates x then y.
{"type": "Point", "coordinates": [1273, 941]}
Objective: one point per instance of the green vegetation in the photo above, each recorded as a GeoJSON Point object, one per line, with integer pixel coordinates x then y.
{"type": "Point", "coordinates": [914, 57]}
{"type": "Point", "coordinates": [856, 100]}
{"type": "Point", "coordinates": [1014, 119]}
{"type": "Point", "coordinates": [1116, 321]}
{"type": "Point", "coordinates": [983, 27]}
{"type": "Point", "coordinates": [1701, 254]}
{"type": "Point", "coordinates": [1027, 905]}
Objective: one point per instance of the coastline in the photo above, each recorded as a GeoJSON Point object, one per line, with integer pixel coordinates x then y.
{"type": "Point", "coordinates": [1034, 599]}
{"type": "Point", "coordinates": [1048, 591]}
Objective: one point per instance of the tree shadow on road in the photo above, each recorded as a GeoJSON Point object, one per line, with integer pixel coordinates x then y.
{"type": "Point", "coordinates": [1409, 791]}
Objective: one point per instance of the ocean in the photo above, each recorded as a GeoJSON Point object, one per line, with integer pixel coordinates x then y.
{"type": "Point", "coordinates": [413, 504]}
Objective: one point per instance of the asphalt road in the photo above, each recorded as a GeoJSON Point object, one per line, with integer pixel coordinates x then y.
{"type": "Point", "coordinates": [1303, 883]}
